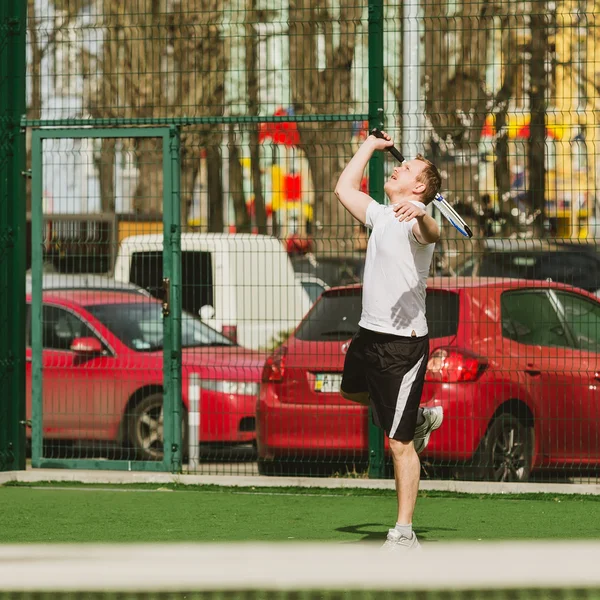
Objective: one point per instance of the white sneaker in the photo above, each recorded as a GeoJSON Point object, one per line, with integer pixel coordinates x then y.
{"type": "Point", "coordinates": [396, 542]}
{"type": "Point", "coordinates": [433, 419]}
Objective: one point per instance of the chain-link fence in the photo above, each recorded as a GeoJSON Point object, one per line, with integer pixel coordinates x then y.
{"type": "Point", "coordinates": [270, 101]}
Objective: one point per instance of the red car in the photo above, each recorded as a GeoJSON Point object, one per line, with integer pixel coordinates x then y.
{"type": "Point", "coordinates": [103, 373]}
{"type": "Point", "coordinates": [515, 364]}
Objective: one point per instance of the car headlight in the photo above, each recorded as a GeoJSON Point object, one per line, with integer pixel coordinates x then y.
{"type": "Point", "coordinates": [243, 388]}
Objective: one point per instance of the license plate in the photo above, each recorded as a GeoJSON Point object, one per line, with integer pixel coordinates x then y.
{"type": "Point", "coordinates": [328, 382]}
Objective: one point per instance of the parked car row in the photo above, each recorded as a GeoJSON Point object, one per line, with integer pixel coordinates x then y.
{"type": "Point", "coordinates": [515, 364]}
{"type": "Point", "coordinates": [102, 367]}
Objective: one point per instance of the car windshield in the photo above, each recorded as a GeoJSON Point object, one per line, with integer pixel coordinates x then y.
{"type": "Point", "coordinates": [336, 315]}
{"type": "Point", "coordinates": [139, 325]}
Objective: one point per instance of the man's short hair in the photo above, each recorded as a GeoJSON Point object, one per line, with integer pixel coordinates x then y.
{"type": "Point", "coordinates": [432, 179]}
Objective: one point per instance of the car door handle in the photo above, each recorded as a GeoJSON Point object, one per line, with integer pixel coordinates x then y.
{"type": "Point", "coordinates": [533, 371]}
{"type": "Point", "coordinates": [597, 376]}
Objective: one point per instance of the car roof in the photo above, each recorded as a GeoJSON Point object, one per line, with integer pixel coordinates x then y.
{"type": "Point", "coordinates": [458, 283]}
{"type": "Point", "coordinates": [535, 245]}
{"type": "Point", "coordinates": [94, 297]}
{"type": "Point", "coordinates": [81, 281]}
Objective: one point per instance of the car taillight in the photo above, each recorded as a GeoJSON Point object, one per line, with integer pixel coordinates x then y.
{"type": "Point", "coordinates": [230, 331]}
{"type": "Point", "coordinates": [449, 365]}
{"type": "Point", "coordinates": [274, 366]}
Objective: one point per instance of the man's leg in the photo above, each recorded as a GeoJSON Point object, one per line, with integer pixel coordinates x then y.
{"type": "Point", "coordinates": [359, 397]}
{"type": "Point", "coordinates": [407, 473]}
{"type": "Point", "coordinates": [354, 383]}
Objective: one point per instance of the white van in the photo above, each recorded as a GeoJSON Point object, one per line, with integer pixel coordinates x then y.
{"type": "Point", "coordinates": [243, 285]}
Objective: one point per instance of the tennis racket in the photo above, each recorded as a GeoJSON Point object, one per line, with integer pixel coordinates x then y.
{"type": "Point", "coordinates": [439, 201]}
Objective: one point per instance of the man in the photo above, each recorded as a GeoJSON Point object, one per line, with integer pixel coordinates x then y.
{"type": "Point", "coordinates": [387, 359]}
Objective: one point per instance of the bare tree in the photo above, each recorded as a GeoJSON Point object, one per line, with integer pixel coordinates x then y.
{"type": "Point", "coordinates": [41, 46]}
{"type": "Point", "coordinates": [126, 81]}
{"type": "Point", "coordinates": [251, 42]}
{"type": "Point", "coordinates": [456, 100]}
{"type": "Point", "coordinates": [317, 91]}
{"type": "Point", "coordinates": [511, 20]}
{"type": "Point", "coordinates": [236, 188]}
{"type": "Point", "coordinates": [201, 56]}
{"type": "Point", "coordinates": [537, 104]}
{"type": "Point", "coordinates": [163, 59]}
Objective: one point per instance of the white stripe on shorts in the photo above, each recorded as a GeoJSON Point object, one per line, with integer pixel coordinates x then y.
{"type": "Point", "coordinates": [403, 394]}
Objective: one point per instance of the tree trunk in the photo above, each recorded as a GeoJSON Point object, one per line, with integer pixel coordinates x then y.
{"type": "Point", "coordinates": [260, 211]}
{"type": "Point", "coordinates": [190, 167]}
{"type": "Point", "coordinates": [251, 40]}
{"type": "Point", "coordinates": [501, 164]}
{"type": "Point", "coordinates": [537, 103]}
{"type": "Point", "coordinates": [215, 189]}
{"type": "Point", "coordinates": [105, 165]}
{"type": "Point", "coordinates": [328, 149]}
{"type": "Point", "coordinates": [456, 98]}
{"type": "Point", "coordinates": [149, 190]}
{"type": "Point", "coordinates": [243, 222]}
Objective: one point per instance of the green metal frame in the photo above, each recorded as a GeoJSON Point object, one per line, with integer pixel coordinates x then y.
{"type": "Point", "coordinates": [376, 112]}
{"type": "Point", "coordinates": [168, 129]}
{"type": "Point", "coordinates": [172, 322]}
{"type": "Point", "coordinates": [13, 234]}
{"type": "Point", "coordinates": [183, 121]}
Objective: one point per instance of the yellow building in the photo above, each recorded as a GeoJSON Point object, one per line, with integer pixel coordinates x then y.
{"type": "Point", "coordinates": [571, 125]}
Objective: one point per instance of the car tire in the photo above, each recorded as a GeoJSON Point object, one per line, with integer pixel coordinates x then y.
{"type": "Point", "coordinates": [507, 450]}
{"type": "Point", "coordinates": [145, 428]}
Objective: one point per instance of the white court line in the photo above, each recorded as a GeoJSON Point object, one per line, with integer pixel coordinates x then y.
{"type": "Point", "coordinates": [120, 477]}
{"type": "Point", "coordinates": [224, 490]}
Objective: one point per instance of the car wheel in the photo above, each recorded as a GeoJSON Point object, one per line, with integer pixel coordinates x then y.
{"type": "Point", "coordinates": [146, 428]}
{"type": "Point", "coordinates": [507, 453]}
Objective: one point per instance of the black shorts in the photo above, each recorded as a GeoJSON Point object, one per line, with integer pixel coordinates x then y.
{"type": "Point", "coordinates": [392, 370]}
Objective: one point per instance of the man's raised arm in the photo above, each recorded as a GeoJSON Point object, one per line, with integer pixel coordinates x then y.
{"type": "Point", "coordinates": [348, 186]}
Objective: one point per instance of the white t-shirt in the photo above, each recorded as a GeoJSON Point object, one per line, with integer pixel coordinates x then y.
{"type": "Point", "coordinates": [395, 276]}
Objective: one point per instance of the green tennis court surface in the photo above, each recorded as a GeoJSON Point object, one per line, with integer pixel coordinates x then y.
{"type": "Point", "coordinates": [153, 513]}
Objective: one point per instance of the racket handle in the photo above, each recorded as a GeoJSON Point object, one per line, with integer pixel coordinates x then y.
{"type": "Point", "coordinates": [392, 149]}
{"type": "Point", "coordinates": [396, 154]}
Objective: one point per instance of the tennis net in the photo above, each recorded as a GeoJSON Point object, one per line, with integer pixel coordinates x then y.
{"type": "Point", "coordinates": [508, 570]}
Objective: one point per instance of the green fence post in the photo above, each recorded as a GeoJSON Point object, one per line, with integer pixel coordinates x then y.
{"type": "Point", "coordinates": [37, 236]}
{"type": "Point", "coordinates": [376, 446]}
{"type": "Point", "coordinates": [13, 15]}
{"type": "Point", "coordinates": [172, 270]}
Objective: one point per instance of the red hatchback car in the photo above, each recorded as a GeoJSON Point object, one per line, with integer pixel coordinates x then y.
{"type": "Point", "coordinates": [515, 365]}
{"type": "Point", "coordinates": [103, 373]}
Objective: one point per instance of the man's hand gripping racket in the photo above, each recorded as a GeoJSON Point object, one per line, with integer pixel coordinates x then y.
{"type": "Point", "coordinates": [439, 201]}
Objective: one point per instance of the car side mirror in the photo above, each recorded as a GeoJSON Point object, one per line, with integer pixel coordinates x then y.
{"type": "Point", "coordinates": [207, 312]}
{"type": "Point", "coordinates": [86, 346]}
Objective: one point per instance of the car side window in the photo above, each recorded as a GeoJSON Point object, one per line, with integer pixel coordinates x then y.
{"type": "Point", "coordinates": [583, 318]}
{"type": "Point", "coordinates": [529, 317]}
{"type": "Point", "coordinates": [60, 327]}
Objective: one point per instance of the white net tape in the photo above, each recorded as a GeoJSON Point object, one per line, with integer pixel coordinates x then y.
{"type": "Point", "coordinates": [293, 566]}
